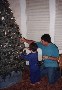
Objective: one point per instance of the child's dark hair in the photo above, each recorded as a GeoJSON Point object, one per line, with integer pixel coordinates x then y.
{"type": "Point", "coordinates": [46, 37]}
{"type": "Point", "coordinates": [33, 46]}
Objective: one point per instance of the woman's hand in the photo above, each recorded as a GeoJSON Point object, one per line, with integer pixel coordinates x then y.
{"type": "Point", "coordinates": [45, 57]}
{"type": "Point", "coordinates": [22, 39]}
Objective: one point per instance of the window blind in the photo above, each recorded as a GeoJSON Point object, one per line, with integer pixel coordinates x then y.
{"type": "Point", "coordinates": [58, 24]}
{"type": "Point", "coordinates": [38, 18]}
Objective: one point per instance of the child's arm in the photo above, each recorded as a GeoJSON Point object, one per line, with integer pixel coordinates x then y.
{"type": "Point", "coordinates": [25, 56]}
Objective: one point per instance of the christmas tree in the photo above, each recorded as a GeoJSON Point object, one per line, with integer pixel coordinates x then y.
{"type": "Point", "coordinates": [10, 45]}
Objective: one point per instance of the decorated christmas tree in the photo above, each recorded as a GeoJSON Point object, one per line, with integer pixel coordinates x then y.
{"type": "Point", "coordinates": [10, 45]}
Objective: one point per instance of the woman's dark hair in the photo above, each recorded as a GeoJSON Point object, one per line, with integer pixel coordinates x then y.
{"type": "Point", "coordinates": [46, 37]}
{"type": "Point", "coordinates": [33, 46]}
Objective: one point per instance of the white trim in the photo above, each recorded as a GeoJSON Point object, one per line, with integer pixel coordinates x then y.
{"type": "Point", "coordinates": [23, 18]}
{"type": "Point", "coordinates": [60, 51]}
{"type": "Point", "coordinates": [52, 8]}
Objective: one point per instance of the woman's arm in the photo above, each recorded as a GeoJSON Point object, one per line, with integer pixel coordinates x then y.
{"type": "Point", "coordinates": [26, 40]}
{"type": "Point", "coordinates": [50, 57]}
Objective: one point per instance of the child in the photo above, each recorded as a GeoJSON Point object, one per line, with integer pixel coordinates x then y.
{"type": "Point", "coordinates": [33, 63]}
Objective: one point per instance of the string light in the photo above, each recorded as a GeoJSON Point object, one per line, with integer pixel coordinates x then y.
{"type": "Point", "coordinates": [2, 18]}
{"type": "Point", "coordinates": [11, 18]}
{"type": "Point", "coordinates": [5, 33]}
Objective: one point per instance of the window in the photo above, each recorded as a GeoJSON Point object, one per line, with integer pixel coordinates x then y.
{"type": "Point", "coordinates": [38, 18]}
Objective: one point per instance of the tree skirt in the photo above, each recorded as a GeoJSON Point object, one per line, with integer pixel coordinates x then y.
{"type": "Point", "coordinates": [10, 80]}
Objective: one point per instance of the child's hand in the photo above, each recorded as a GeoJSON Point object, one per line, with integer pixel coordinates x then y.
{"type": "Point", "coordinates": [27, 50]}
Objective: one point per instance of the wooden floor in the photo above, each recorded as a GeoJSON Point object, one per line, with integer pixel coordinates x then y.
{"type": "Point", "coordinates": [26, 85]}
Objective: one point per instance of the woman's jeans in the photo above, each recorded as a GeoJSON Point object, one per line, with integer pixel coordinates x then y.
{"type": "Point", "coordinates": [51, 72]}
